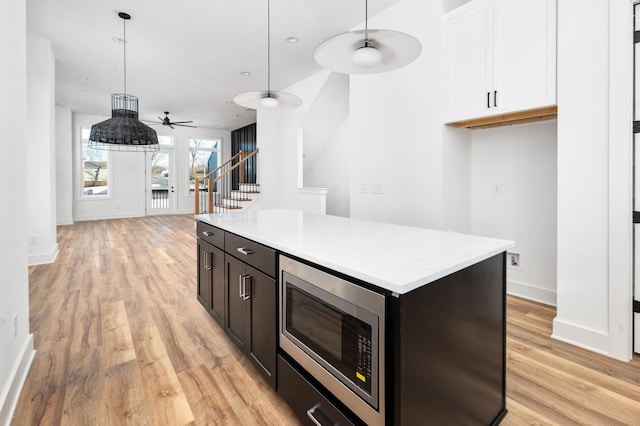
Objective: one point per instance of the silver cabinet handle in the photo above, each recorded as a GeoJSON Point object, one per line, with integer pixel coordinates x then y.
{"type": "Point", "coordinates": [245, 251]}
{"type": "Point", "coordinates": [311, 414]}
{"type": "Point", "coordinates": [207, 262]}
{"type": "Point", "coordinates": [208, 233]}
{"type": "Point", "coordinates": [242, 286]}
{"type": "Point", "coordinates": [247, 294]}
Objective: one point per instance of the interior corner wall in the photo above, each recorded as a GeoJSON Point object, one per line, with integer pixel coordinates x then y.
{"type": "Point", "coordinates": [41, 167]}
{"type": "Point", "coordinates": [64, 166]}
{"type": "Point", "coordinates": [323, 119]}
{"type": "Point", "coordinates": [583, 174]}
{"type": "Point", "coordinates": [396, 127]}
{"type": "Point", "coordinates": [513, 197]}
{"type": "Point", "coordinates": [16, 351]}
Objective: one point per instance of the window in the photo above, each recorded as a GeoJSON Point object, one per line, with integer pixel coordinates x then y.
{"type": "Point", "coordinates": [203, 159]}
{"type": "Point", "coordinates": [165, 140]}
{"type": "Point", "coordinates": [96, 175]}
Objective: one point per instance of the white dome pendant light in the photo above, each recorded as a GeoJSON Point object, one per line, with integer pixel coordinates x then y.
{"type": "Point", "coordinates": [367, 51]}
{"type": "Point", "coordinates": [260, 99]}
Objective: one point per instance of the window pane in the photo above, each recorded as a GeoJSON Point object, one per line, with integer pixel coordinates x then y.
{"type": "Point", "coordinates": [165, 140]}
{"type": "Point", "coordinates": [95, 171]}
{"type": "Point", "coordinates": [203, 159]}
{"type": "Point", "coordinates": [203, 144]}
{"type": "Point", "coordinates": [85, 134]}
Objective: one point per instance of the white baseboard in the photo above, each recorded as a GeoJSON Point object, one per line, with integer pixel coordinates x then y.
{"type": "Point", "coordinates": [108, 216]}
{"type": "Point", "coordinates": [62, 222]}
{"type": "Point", "coordinates": [44, 258]}
{"type": "Point", "coordinates": [531, 292]}
{"type": "Point", "coordinates": [579, 336]}
{"type": "Point", "coordinates": [16, 382]}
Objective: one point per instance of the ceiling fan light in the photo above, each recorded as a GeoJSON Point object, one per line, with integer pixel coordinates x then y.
{"type": "Point", "coordinates": [366, 57]}
{"type": "Point", "coordinates": [269, 102]}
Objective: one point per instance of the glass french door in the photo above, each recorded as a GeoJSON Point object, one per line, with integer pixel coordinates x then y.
{"type": "Point", "coordinates": [160, 185]}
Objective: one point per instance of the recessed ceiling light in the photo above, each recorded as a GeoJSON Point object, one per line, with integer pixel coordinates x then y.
{"type": "Point", "coordinates": [292, 39]}
{"type": "Point", "coordinates": [118, 40]}
{"type": "Point", "coordinates": [245, 73]}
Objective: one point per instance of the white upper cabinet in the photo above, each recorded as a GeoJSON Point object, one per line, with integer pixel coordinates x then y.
{"type": "Point", "coordinates": [499, 58]}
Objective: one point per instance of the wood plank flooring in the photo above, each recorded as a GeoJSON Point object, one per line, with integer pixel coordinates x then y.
{"type": "Point", "coordinates": [121, 340]}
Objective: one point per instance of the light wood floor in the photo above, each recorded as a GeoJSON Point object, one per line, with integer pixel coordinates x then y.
{"type": "Point", "coordinates": [121, 339]}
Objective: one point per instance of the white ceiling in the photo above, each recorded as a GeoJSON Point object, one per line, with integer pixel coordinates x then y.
{"type": "Point", "coordinates": [185, 57]}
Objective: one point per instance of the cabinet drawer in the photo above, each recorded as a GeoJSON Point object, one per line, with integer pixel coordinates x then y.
{"type": "Point", "coordinates": [255, 254]}
{"type": "Point", "coordinates": [211, 234]}
{"type": "Point", "coordinates": [310, 406]}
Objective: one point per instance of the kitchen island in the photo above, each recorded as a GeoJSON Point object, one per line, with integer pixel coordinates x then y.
{"type": "Point", "coordinates": [439, 353]}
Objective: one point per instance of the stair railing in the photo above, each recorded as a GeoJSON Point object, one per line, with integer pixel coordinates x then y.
{"type": "Point", "coordinates": [215, 192]}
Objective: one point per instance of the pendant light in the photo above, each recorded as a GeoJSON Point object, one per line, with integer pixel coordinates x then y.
{"type": "Point", "coordinates": [269, 99]}
{"type": "Point", "coordinates": [123, 131]}
{"type": "Point", "coordinates": [367, 51]}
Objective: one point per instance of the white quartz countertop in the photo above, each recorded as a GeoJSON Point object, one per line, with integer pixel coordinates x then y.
{"type": "Point", "coordinates": [394, 257]}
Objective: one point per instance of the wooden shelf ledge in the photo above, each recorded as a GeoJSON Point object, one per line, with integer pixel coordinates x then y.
{"type": "Point", "coordinates": [520, 117]}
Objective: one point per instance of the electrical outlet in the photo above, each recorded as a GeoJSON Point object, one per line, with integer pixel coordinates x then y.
{"type": "Point", "coordinates": [513, 260]}
{"type": "Point", "coordinates": [33, 240]}
{"type": "Point", "coordinates": [15, 325]}
{"type": "Point", "coordinates": [377, 188]}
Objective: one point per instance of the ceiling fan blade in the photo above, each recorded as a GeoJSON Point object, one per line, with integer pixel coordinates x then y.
{"type": "Point", "coordinates": [180, 122]}
{"type": "Point", "coordinates": [184, 125]}
{"type": "Point", "coordinates": [171, 126]}
{"type": "Point", "coordinates": [161, 119]}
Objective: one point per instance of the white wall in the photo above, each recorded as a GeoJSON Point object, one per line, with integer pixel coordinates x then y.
{"type": "Point", "coordinates": [396, 127]}
{"type": "Point", "coordinates": [41, 176]}
{"type": "Point", "coordinates": [583, 173]}
{"type": "Point", "coordinates": [325, 126]}
{"type": "Point", "coordinates": [513, 196]}
{"type": "Point", "coordinates": [323, 121]}
{"type": "Point", "coordinates": [128, 196]}
{"type": "Point", "coordinates": [16, 353]}
{"type": "Point", "coordinates": [594, 176]}
{"type": "Point", "coordinates": [64, 166]}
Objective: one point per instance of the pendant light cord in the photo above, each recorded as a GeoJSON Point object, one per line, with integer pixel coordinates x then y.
{"type": "Point", "coordinates": [366, 25]}
{"type": "Point", "coordinates": [124, 43]}
{"type": "Point", "coordinates": [268, 47]}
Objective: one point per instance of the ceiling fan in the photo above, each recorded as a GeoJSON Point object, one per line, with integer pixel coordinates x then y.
{"type": "Point", "coordinates": [166, 122]}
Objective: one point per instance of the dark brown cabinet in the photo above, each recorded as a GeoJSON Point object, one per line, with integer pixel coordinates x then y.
{"type": "Point", "coordinates": [251, 314]}
{"type": "Point", "coordinates": [211, 285]}
{"type": "Point", "coordinates": [211, 280]}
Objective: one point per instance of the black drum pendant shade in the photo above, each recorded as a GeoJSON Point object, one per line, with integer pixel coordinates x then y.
{"type": "Point", "coordinates": [123, 131]}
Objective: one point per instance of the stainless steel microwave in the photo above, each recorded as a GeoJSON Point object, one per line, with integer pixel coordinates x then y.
{"type": "Point", "coordinates": [335, 330]}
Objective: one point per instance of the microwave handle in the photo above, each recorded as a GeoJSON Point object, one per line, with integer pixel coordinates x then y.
{"type": "Point", "coordinates": [311, 414]}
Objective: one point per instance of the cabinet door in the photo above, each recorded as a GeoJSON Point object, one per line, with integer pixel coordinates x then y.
{"type": "Point", "coordinates": [217, 285]}
{"type": "Point", "coordinates": [262, 306]}
{"type": "Point", "coordinates": [235, 307]}
{"type": "Point", "coordinates": [468, 73]}
{"type": "Point", "coordinates": [524, 54]}
{"type": "Point", "coordinates": [204, 273]}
